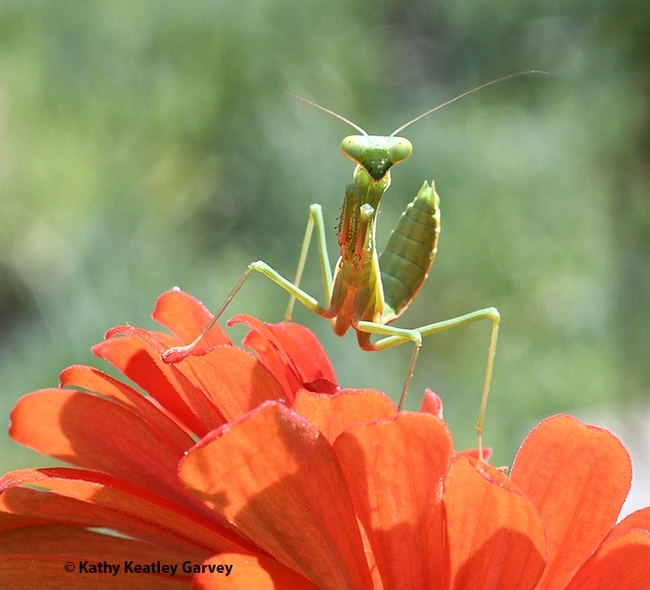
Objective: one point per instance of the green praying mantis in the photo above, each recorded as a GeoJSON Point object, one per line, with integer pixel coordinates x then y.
{"type": "Point", "coordinates": [368, 290]}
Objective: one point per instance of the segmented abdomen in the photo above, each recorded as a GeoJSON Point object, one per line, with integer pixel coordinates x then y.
{"type": "Point", "coordinates": [409, 253]}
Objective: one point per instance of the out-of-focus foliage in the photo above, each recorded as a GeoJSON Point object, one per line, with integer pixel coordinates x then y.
{"type": "Point", "coordinates": [149, 144]}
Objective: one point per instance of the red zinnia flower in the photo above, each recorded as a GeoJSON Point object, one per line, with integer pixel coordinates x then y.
{"type": "Point", "coordinates": [295, 484]}
{"type": "Point", "coordinates": [128, 446]}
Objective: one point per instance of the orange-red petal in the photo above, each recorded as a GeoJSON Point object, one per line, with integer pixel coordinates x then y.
{"type": "Point", "coordinates": [620, 564]}
{"type": "Point", "coordinates": [137, 354]}
{"type": "Point", "coordinates": [96, 381]}
{"type": "Point", "coordinates": [81, 498]}
{"type": "Point", "coordinates": [249, 572]}
{"type": "Point", "coordinates": [431, 403]}
{"type": "Point", "coordinates": [186, 318]}
{"type": "Point", "coordinates": [303, 348]}
{"type": "Point", "coordinates": [395, 470]}
{"type": "Point", "coordinates": [232, 379]}
{"type": "Point", "coordinates": [95, 433]}
{"type": "Point", "coordinates": [275, 477]}
{"type": "Point", "coordinates": [495, 535]}
{"type": "Point", "coordinates": [332, 414]}
{"type": "Point", "coordinates": [637, 520]}
{"type": "Point", "coordinates": [577, 476]}
{"type": "Point", "coordinates": [271, 353]}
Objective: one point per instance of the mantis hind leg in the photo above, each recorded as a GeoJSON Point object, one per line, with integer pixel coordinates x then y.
{"type": "Point", "coordinates": [397, 336]}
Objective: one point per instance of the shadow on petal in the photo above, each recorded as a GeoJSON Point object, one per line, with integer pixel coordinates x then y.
{"type": "Point", "coordinates": [277, 479]}
{"type": "Point", "coordinates": [488, 567]}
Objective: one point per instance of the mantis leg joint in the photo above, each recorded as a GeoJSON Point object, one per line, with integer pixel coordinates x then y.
{"type": "Point", "coordinates": [258, 265]}
{"type": "Point", "coordinates": [493, 313]}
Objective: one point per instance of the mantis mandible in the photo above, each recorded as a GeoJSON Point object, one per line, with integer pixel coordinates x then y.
{"type": "Point", "coordinates": [369, 291]}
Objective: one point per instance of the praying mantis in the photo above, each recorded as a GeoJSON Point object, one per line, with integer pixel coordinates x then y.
{"type": "Point", "coordinates": [368, 290]}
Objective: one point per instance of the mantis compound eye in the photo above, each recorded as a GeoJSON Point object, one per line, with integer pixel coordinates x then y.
{"type": "Point", "coordinates": [354, 147]}
{"type": "Point", "coordinates": [400, 149]}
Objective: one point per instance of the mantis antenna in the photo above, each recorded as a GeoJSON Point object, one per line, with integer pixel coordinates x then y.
{"type": "Point", "coordinates": [329, 112]}
{"type": "Point", "coordinates": [433, 110]}
{"type": "Point", "coordinates": [463, 95]}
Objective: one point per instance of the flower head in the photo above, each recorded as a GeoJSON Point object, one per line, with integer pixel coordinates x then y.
{"type": "Point", "coordinates": [261, 464]}
{"type": "Point", "coordinates": [126, 446]}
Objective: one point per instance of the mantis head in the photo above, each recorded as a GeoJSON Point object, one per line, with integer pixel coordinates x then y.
{"type": "Point", "coordinates": [376, 153]}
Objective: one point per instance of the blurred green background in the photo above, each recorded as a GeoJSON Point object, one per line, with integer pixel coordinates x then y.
{"type": "Point", "coordinates": [149, 144]}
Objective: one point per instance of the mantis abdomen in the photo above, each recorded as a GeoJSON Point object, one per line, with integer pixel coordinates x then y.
{"type": "Point", "coordinates": [409, 253]}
